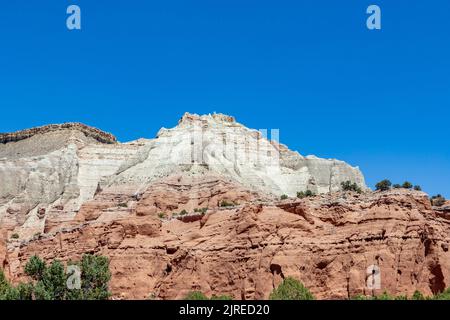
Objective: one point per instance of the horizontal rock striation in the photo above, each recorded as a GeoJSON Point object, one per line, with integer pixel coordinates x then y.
{"type": "Point", "coordinates": [198, 208]}
{"type": "Point", "coordinates": [95, 133]}
{"type": "Point", "coordinates": [328, 242]}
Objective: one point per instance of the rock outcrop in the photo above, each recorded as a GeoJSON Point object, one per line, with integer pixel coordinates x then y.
{"type": "Point", "coordinates": [65, 165]}
{"type": "Point", "coordinates": [328, 242]}
{"type": "Point", "coordinates": [94, 133]}
{"type": "Point", "coordinates": [197, 208]}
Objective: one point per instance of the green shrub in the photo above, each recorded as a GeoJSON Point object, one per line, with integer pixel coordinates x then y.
{"type": "Point", "coordinates": [384, 296]}
{"type": "Point", "coordinates": [291, 289]}
{"type": "Point", "coordinates": [15, 236]}
{"type": "Point", "coordinates": [417, 188]}
{"type": "Point", "coordinates": [95, 277]}
{"type": "Point", "coordinates": [35, 268]}
{"type": "Point", "coordinates": [284, 197]}
{"type": "Point", "coordinates": [349, 186]}
{"type": "Point", "coordinates": [201, 210]}
{"type": "Point", "coordinates": [397, 186]}
{"type": "Point", "coordinates": [196, 295]}
{"type": "Point", "coordinates": [222, 297]}
{"type": "Point", "coordinates": [445, 295]}
{"type": "Point", "coordinates": [123, 205]}
{"type": "Point", "coordinates": [162, 215]}
{"type": "Point", "coordinates": [407, 185]}
{"type": "Point", "coordinates": [50, 282]}
{"type": "Point", "coordinates": [305, 194]}
{"type": "Point", "coordinates": [383, 185]}
{"type": "Point", "coordinates": [417, 295]}
{"type": "Point", "coordinates": [361, 297]}
{"type": "Point", "coordinates": [183, 212]}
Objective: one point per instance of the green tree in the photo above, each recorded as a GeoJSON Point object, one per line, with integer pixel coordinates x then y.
{"type": "Point", "coordinates": [291, 289]}
{"type": "Point", "coordinates": [50, 282]}
{"type": "Point", "coordinates": [95, 276]}
{"type": "Point", "coordinates": [305, 194]}
{"type": "Point", "coordinates": [407, 185]}
{"type": "Point", "coordinates": [4, 286]}
{"type": "Point", "coordinates": [417, 188]}
{"type": "Point", "coordinates": [349, 186]}
{"type": "Point", "coordinates": [35, 268]}
{"type": "Point", "coordinates": [383, 185]}
{"type": "Point", "coordinates": [54, 281]}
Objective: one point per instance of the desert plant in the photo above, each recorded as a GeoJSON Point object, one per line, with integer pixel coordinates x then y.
{"type": "Point", "coordinates": [349, 186]}
{"type": "Point", "coordinates": [49, 282]}
{"type": "Point", "coordinates": [383, 185]}
{"type": "Point", "coordinates": [361, 297]}
{"type": "Point", "coordinates": [291, 289]}
{"type": "Point", "coordinates": [201, 210]}
{"type": "Point", "coordinates": [35, 268]}
{"type": "Point", "coordinates": [305, 194]}
{"type": "Point", "coordinates": [397, 186]}
{"type": "Point", "coordinates": [123, 205]}
{"type": "Point", "coordinates": [162, 215]}
{"type": "Point", "coordinates": [417, 295]}
{"type": "Point", "coordinates": [222, 297]}
{"type": "Point", "coordinates": [15, 236]}
{"type": "Point", "coordinates": [417, 188]}
{"type": "Point", "coordinates": [183, 212]}
{"type": "Point", "coordinates": [283, 197]}
{"type": "Point", "coordinates": [384, 296]}
{"type": "Point", "coordinates": [407, 185]}
{"type": "Point", "coordinates": [445, 295]}
{"type": "Point", "coordinates": [196, 295]}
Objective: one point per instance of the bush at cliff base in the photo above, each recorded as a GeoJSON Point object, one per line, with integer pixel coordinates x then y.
{"type": "Point", "coordinates": [49, 282]}
{"type": "Point", "coordinates": [291, 289]}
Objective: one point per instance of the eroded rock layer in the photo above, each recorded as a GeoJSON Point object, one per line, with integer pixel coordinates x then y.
{"type": "Point", "coordinates": [328, 242]}
{"type": "Point", "coordinates": [197, 208]}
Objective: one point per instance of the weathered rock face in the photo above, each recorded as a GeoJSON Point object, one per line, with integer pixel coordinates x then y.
{"type": "Point", "coordinates": [328, 242]}
{"type": "Point", "coordinates": [65, 165]}
{"type": "Point", "coordinates": [198, 208]}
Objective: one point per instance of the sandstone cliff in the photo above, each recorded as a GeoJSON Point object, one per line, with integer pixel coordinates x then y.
{"type": "Point", "coordinates": [63, 166]}
{"type": "Point", "coordinates": [197, 208]}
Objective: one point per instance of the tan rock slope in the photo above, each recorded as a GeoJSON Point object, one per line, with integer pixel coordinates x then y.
{"type": "Point", "coordinates": [143, 204]}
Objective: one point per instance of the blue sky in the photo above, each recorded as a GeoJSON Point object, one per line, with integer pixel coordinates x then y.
{"type": "Point", "coordinates": [376, 99]}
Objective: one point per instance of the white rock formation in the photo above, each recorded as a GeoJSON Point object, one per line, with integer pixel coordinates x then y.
{"type": "Point", "coordinates": [41, 173]}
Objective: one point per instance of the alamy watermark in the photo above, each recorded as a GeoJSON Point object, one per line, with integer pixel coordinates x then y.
{"type": "Point", "coordinates": [225, 147]}
{"type": "Point", "coordinates": [374, 20]}
{"type": "Point", "coordinates": [74, 277]}
{"type": "Point", "coordinates": [73, 21]}
{"type": "Point", "coordinates": [373, 275]}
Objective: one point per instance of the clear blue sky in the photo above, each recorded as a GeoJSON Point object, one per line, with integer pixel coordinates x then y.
{"type": "Point", "coordinates": [376, 99]}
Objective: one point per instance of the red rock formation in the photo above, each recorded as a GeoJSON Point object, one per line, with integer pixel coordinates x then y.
{"type": "Point", "coordinates": [327, 242]}
{"type": "Point", "coordinates": [95, 133]}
